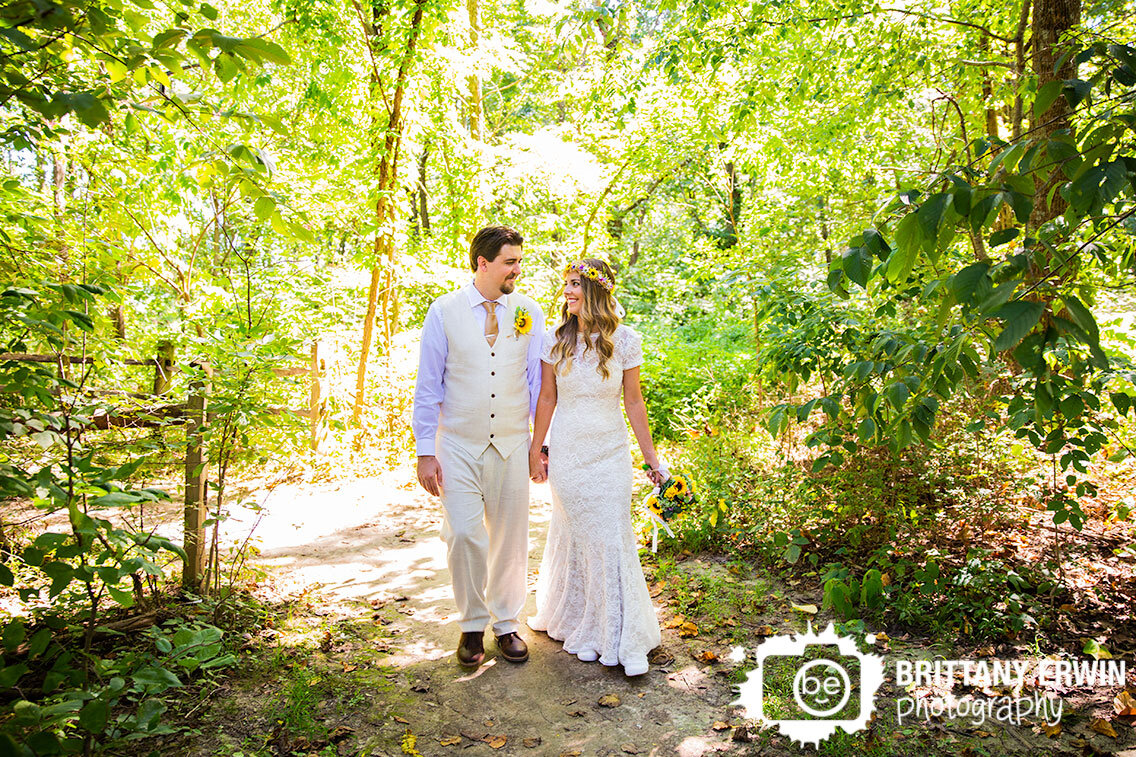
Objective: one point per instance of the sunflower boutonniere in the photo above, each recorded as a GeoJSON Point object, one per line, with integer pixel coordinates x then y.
{"type": "Point", "coordinates": [522, 321]}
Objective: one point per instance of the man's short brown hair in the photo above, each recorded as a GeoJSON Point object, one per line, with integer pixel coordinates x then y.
{"type": "Point", "coordinates": [488, 242]}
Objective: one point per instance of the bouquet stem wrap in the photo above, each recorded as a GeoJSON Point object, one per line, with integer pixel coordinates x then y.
{"type": "Point", "coordinates": [656, 522]}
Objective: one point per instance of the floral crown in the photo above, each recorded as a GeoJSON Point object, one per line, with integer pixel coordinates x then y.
{"type": "Point", "coordinates": [589, 272]}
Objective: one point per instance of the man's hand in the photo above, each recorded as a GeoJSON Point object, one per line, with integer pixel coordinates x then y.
{"type": "Point", "coordinates": [538, 467]}
{"type": "Point", "coordinates": [430, 474]}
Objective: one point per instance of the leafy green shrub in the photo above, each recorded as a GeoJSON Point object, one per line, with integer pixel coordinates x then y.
{"type": "Point", "coordinates": [71, 693]}
{"type": "Point", "coordinates": [983, 598]}
{"type": "Point", "coordinates": [695, 375]}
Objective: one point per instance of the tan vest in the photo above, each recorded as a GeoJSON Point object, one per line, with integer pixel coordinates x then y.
{"type": "Point", "coordinates": [486, 390]}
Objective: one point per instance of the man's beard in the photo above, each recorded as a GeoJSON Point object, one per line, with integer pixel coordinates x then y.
{"type": "Point", "coordinates": [508, 285]}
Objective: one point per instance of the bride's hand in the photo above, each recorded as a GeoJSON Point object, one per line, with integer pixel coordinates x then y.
{"type": "Point", "coordinates": [537, 470]}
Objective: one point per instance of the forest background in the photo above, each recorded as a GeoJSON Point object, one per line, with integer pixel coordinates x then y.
{"type": "Point", "coordinates": [881, 255]}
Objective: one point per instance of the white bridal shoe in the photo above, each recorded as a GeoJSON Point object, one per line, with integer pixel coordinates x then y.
{"type": "Point", "coordinates": [636, 667]}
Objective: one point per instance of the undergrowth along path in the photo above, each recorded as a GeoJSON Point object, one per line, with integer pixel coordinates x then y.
{"type": "Point", "coordinates": [364, 664]}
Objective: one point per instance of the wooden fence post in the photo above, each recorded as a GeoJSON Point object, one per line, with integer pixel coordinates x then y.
{"type": "Point", "coordinates": [315, 400]}
{"type": "Point", "coordinates": [163, 367]}
{"type": "Point", "coordinates": [193, 569]}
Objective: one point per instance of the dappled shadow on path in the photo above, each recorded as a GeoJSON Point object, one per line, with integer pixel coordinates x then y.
{"type": "Point", "coordinates": [378, 541]}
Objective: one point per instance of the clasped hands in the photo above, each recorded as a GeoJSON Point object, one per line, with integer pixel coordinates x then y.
{"type": "Point", "coordinates": [538, 465]}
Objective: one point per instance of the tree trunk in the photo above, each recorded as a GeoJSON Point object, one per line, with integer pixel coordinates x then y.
{"type": "Point", "coordinates": [822, 206]}
{"type": "Point", "coordinates": [383, 281]}
{"type": "Point", "coordinates": [733, 209]}
{"type": "Point", "coordinates": [1052, 19]}
{"type": "Point", "coordinates": [475, 114]}
{"type": "Point", "coordinates": [1019, 69]}
{"type": "Point", "coordinates": [988, 89]}
{"type": "Point", "coordinates": [421, 210]}
{"type": "Point", "coordinates": [59, 182]}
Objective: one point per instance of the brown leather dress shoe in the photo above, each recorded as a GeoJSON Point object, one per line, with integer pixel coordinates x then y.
{"type": "Point", "coordinates": [512, 647]}
{"type": "Point", "coordinates": [471, 648]}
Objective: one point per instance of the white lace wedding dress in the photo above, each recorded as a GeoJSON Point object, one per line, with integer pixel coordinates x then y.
{"type": "Point", "coordinates": [591, 593]}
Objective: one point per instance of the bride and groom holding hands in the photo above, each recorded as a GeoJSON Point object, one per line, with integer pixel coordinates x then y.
{"type": "Point", "coordinates": [486, 367]}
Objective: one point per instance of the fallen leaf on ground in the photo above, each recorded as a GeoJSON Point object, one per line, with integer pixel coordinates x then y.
{"type": "Point", "coordinates": [674, 622]}
{"type": "Point", "coordinates": [985, 651]}
{"type": "Point", "coordinates": [1052, 731]}
{"type": "Point", "coordinates": [1103, 727]}
{"type": "Point", "coordinates": [576, 713]}
{"type": "Point", "coordinates": [488, 724]}
{"type": "Point", "coordinates": [763, 630]}
{"type": "Point", "coordinates": [497, 741]}
{"type": "Point", "coordinates": [348, 668]}
{"type": "Point", "coordinates": [1125, 705]}
{"type": "Point", "coordinates": [629, 749]}
{"type": "Point", "coordinates": [742, 735]}
{"type": "Point", "coordinates": [687, 630]}
{"type": "Point", "coordinates": [571, 753]}
{"type": "Point", "coordinates": [402, 720]}
{"type": "Point", "coordinates": [475, 735]}
{"type": "Point", "coordinates": [567, 702]}
{"type": "Point", "coordinates": [720, 725]}
{"type": "Point", "coordinates": [1067, 608]}
{"type": "Point", "coordinates": [609, 700]}
{"type": "Point", "coordinates": [532, 742]}
{"type": "Point", "coordinates": [810, 609]}
{"type": "Point", "coordinates": [731, 623]}
{"type": "Point", "coordinates": [707, 655]}
{"type": "Point", "coordinates": [1096, 650]}
{"type": "Point", "coordinates": [450, 740]}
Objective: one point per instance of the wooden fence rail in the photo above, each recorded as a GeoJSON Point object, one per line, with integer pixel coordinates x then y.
{"type": "Point", "coordinates": [194, 412]}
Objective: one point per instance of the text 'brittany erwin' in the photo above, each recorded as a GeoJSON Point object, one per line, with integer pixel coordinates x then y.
{"type": "Point", "coordinates": [1011, 673]}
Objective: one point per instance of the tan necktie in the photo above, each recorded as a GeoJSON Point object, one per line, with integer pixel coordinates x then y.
{"type": "Point", "coordinates": [490, 322]}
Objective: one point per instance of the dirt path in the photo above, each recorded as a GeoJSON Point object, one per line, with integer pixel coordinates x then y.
{"type": "Point", "coordinates": [377, 540]}
{"type": "Point", "coordinates": [363, 663]}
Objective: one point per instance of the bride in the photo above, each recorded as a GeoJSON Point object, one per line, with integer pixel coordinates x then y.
{"type": "Point", "coordinates": [591, 593]}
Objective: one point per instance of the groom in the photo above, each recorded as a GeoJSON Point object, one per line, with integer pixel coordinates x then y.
{"type": "Point", "coordinates": [478, 380]}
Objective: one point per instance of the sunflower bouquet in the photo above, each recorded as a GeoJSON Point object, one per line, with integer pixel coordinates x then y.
{"type": "Point", "coordinates": [667, 502]}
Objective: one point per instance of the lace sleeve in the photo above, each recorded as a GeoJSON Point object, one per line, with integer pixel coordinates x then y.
{"type": "Point", "coordinates": [548, 340]}
{"type": "Point", "coordinates": [631, 348]}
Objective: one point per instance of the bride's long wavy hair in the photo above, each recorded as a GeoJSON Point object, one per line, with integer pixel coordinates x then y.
{"type": "Point", "coordinates": [597, 316]}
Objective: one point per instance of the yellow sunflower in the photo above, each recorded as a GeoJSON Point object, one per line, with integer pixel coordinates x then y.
{"type": "Point", "coordinates": [522, 321]}
{"type": "Point", "coordinates": [653, 505]}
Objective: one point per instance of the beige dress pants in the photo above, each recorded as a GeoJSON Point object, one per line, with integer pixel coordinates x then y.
{"type": "Point", "coordinates": [486, 530]}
